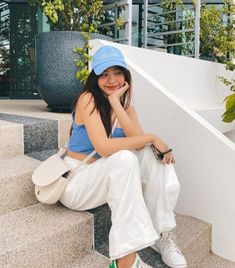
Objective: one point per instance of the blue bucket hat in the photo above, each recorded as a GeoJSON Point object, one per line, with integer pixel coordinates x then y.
{"type": "Point", "coordinates": [106, 57]}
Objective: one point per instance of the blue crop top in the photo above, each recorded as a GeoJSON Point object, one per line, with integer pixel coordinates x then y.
{"type": "Point", "coordinates": [79, 141]}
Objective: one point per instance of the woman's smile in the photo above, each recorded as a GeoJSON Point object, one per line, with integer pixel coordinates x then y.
{"type": "Point", "coordinates": [113, 87]}
{"type": "Point", "coordinates": [111, 80]}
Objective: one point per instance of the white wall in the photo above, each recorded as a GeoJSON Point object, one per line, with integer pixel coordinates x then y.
{"type": "Point", "coordinates": [205, 158]}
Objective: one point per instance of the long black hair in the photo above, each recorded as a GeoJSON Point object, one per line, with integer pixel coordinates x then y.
{"type": "Point", "coordinates": [101, 102]}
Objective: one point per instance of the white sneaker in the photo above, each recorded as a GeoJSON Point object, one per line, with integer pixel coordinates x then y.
{"type": "Point", "coordinates": [138, 263]}
{"type": "Point", "coordinates": [169, 250]}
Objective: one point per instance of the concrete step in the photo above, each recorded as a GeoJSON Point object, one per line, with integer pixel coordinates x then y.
{"type": "Point", "coordinates": [91, 260]}
{"type": "Point", "coordinates": [39, 134]}
{"type": "Point", "coordinates": [214, 261]}
{"type": "Point", "coordinates": [38, 109]}
{"type": "Point", "coordinates": [193, 237]}
{"type": "Point", "coordinates": [11, 139]}
{"type": "Point", "coordinates": [16, 187]}
{"type": "Point", "coordinates": [44, 236]}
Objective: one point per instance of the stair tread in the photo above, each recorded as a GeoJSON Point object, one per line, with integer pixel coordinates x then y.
{"type": "Point", "coordinates": [32, 108]}
{"type": "Point", "coordinates": [39, 133]}
{"type": "Point", "coordinates": [93, 259]}
{"type": "Point", "coordinates": [17, 166]}
{"type": "Point", "coordinates": [16, 187]}
{"type": "Point", "coordinates": [21, 227]}
{"type": "Point", "coordinates": [21, 119]}
{"type": "Point", "coordinates": [214, 261]}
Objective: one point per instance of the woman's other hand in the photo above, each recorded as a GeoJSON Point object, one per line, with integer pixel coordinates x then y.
{"type": "Point", "coordinates": [162, 147]}
{"type": "Point", "coordinates": [168, 158]}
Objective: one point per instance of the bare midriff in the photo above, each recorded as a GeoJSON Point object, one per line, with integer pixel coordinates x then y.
{"type": "Point", "coordinates": [80, 156]}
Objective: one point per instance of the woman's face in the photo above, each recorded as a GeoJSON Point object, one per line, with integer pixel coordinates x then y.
{"type": "Point", "coordinates": [110, 80]}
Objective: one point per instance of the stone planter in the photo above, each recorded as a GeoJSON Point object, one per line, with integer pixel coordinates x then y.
{"type": "Point", "coordinates": [55, 68]}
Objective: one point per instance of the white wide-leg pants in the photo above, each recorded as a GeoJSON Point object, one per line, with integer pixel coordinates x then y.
{"type": "Point", "coordinates": [140, 191]}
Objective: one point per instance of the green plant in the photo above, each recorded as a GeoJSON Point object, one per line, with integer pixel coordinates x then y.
{"type": "Point", "coordinates": [217, 34]}
{"type": "Point", "coordinates": [82, 63]}
{"type": "Point", "coordinates": [218, 41]}
{"type": "Point", "coordinates": [74, 15]}
{"type": "Point", "coordinates": [71, 15]}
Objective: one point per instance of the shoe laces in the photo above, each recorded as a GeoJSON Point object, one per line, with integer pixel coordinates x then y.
{"type": "Point", "coordinates": [169, 240]}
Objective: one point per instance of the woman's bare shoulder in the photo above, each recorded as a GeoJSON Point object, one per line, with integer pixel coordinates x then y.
{"type": "Point", "coordinates": [85, 102]}
{"type": "Point", "coordinates": [85, 99]}
{"type": "Point", "coordinates": [85, 105]}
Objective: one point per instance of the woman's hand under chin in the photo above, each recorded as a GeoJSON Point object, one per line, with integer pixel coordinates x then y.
{"type": "Point", "coordinates": [117, 94]}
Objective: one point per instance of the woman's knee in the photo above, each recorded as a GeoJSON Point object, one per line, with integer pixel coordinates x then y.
{"type": "Point", "coordinates": [145, 153]}
{"type": "Point", "coordinates": [126, 173]}
{"type": "Point", "coordinates": [125, 157]}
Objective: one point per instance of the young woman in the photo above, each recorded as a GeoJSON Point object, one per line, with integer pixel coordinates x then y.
{"type": "Point", "coordinates": [123, 172]}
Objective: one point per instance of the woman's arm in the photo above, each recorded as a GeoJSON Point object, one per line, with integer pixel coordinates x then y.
{"type": "Point", "coordinates": [130, 123]}
{"type": "Point", "coordinates": [97, 134]}
{"type": "Point", "coordinates": [126, 118]}
{"type": "Point", "coordinates": [105, 146]}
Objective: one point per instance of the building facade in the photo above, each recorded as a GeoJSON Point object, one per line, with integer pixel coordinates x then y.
{"type": "Point", "coordinates": [19, 23]}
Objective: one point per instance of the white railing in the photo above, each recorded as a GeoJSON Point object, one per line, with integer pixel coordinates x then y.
{"type": "Point", "coordinates": [156, 28]}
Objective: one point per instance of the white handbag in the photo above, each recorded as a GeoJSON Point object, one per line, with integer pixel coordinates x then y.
{"type": "Point", "coordinates": [52, 175]}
